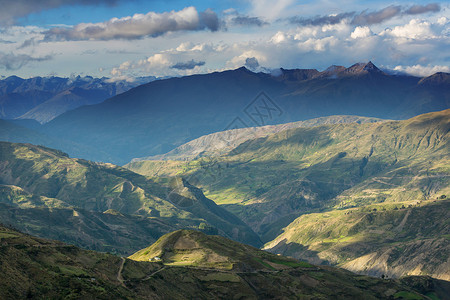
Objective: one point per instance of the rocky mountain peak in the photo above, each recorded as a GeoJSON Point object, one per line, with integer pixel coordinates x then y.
{"type": "Point", "coordinates": [363, 68]}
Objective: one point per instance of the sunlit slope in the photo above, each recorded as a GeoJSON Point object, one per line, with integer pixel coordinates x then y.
{"type": "Point", "coordinates": [270, 181]}
{"type": "Point", "coordinates": [33, 177]}
{"type": "Point", "coordinates": [216, 144]}
{"type": "Point", "coordinates": [193, 248]}
{"type": "Point", "coordinates": [396, 239]}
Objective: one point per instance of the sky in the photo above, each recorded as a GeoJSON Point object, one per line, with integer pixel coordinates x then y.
{"type": "Point", "coordinates": [125, 39]}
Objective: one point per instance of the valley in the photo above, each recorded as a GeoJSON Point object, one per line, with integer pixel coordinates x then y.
{"type": "Point", "coordinates": [355, 206]}
{"type": "Point", "coordinates": [224, 150]}
{"type": "Point", "coordinates": [365, 177]}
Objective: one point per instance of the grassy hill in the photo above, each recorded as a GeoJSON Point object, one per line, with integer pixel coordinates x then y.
{"type": "Point", "coordinates": [37, 181]}
{"type": "Point", "coordinates": [334, 166]}
{"type": "Point", "coordinates": [271, 181]}
{"type": "Point", "coordinates": [193, 248]}
{"type": "Point", "coordinates": [396, 239]}
{"type": "Point", "coordinates": [43, 269]}
{"type": "Point", "coordinates": [222, 142]}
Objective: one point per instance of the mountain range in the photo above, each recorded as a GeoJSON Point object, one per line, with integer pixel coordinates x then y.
{"type": "Point", "coordinates": [157, 117]}
{"type": "Point", "coordinates": [44, 98]}
{"type": "Point", "coordinates": [224, 175]}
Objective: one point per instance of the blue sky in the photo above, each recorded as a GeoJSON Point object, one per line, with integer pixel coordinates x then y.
{"type": "Point", "coordinates": [124, 39]}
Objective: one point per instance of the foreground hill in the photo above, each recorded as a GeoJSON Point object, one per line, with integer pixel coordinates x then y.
{"type": "Point", "coordinates": [36, 181]}
{"type": "Point", "coordinates": [37, 268]}
{"type": "Point", "coordinates": [157, 117]}
{"type": "Point", "coordinates": [193, 248]}
{"type": "Point", "coordinates": [318, 172]}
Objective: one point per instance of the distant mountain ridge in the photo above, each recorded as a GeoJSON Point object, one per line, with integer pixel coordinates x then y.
{"type": "Point", "coordinates": [157, 117]}
{"type": "Point", "coordinates": [218, 143]}
{"type": "Point", "coordinates": [44, 98]}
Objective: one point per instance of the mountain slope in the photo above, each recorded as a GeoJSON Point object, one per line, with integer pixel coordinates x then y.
{"type": "Point", "coordinates": [37, 177]}
{"type": "Point", "coordinates": [65, 101]}
{"type": "Point", "coordinates": [157, 117]}
{"type": "Point", "coordinates": [193, 248]}
{"type": "Point", "coordinates": [222, 142]}
{"type": "Point", "coordinates": [110, 231]}
{"type": "Point", "coordinates": [318, 172]}
{"type": "Point", "coordinates": [44, 98]}
{"type": "Point", "coordinates": [36, 268]}
{"type": "Point", "coordinates": [285, 174]}
{"type": "Point", "coordinates": [395, 240]}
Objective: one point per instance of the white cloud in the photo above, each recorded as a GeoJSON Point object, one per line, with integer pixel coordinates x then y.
{"type": "Point", "coordinates": [240, 60]}
{"type": "Point", "coordinates": [422, 71]}
{"type": "Point", "coordinates": [279, 38]}
{"type": "Point", "coordinates": [442, 21]}
{"type": "Point", "coordinates": [415, 29]}
{"type": "Point", "coordinates": [361, 32]}
{"type": "Point", "coordinates": [137, 26]}
{"type": "Point", "coordinates": [316, 43]}
{"type": "Point", "coordinates": [185, 59]}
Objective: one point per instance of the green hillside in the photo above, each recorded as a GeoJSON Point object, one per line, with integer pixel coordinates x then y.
{"type": "Point", "coordinates": [271, 181]}
{"type": "Point", "coordinates": [42, 269]}
{"type": "Point", "coordinates": [396, 239]}
{"type": "Point", "coordinates": [47, 182]}
{"type": "Point", "coordinates": [301, 170]}
{"type": "Point", "coordinates": [193, 248]}
{"type": "Point", "coordinates": [216, 144]}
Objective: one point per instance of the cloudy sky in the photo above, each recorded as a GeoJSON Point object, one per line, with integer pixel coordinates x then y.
{"type": "Point", "coordinates": [129, 38]}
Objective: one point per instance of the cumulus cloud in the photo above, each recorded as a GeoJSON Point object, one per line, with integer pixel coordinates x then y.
{"type": "Point", "coordinates": [189, 65]}
{"type": "Point", "coordinates": [13, 9]}
{"type": "Point", "coordinates": [10, 61]}
{"type": "Point", "coordinates": [361, 32]}
{"type": "Point", "coordinates": [422, 71]}
{"type": "Point", "coordinates": [415, 29]}
{"type": "Point", "coordinates": [137, 26]}
{"type": "Point", "coordinates": [28, 43]}
{"type": "Point", "coordinates": [421, 9]}
{"type": "Point", "coordinates": [186, 59]}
